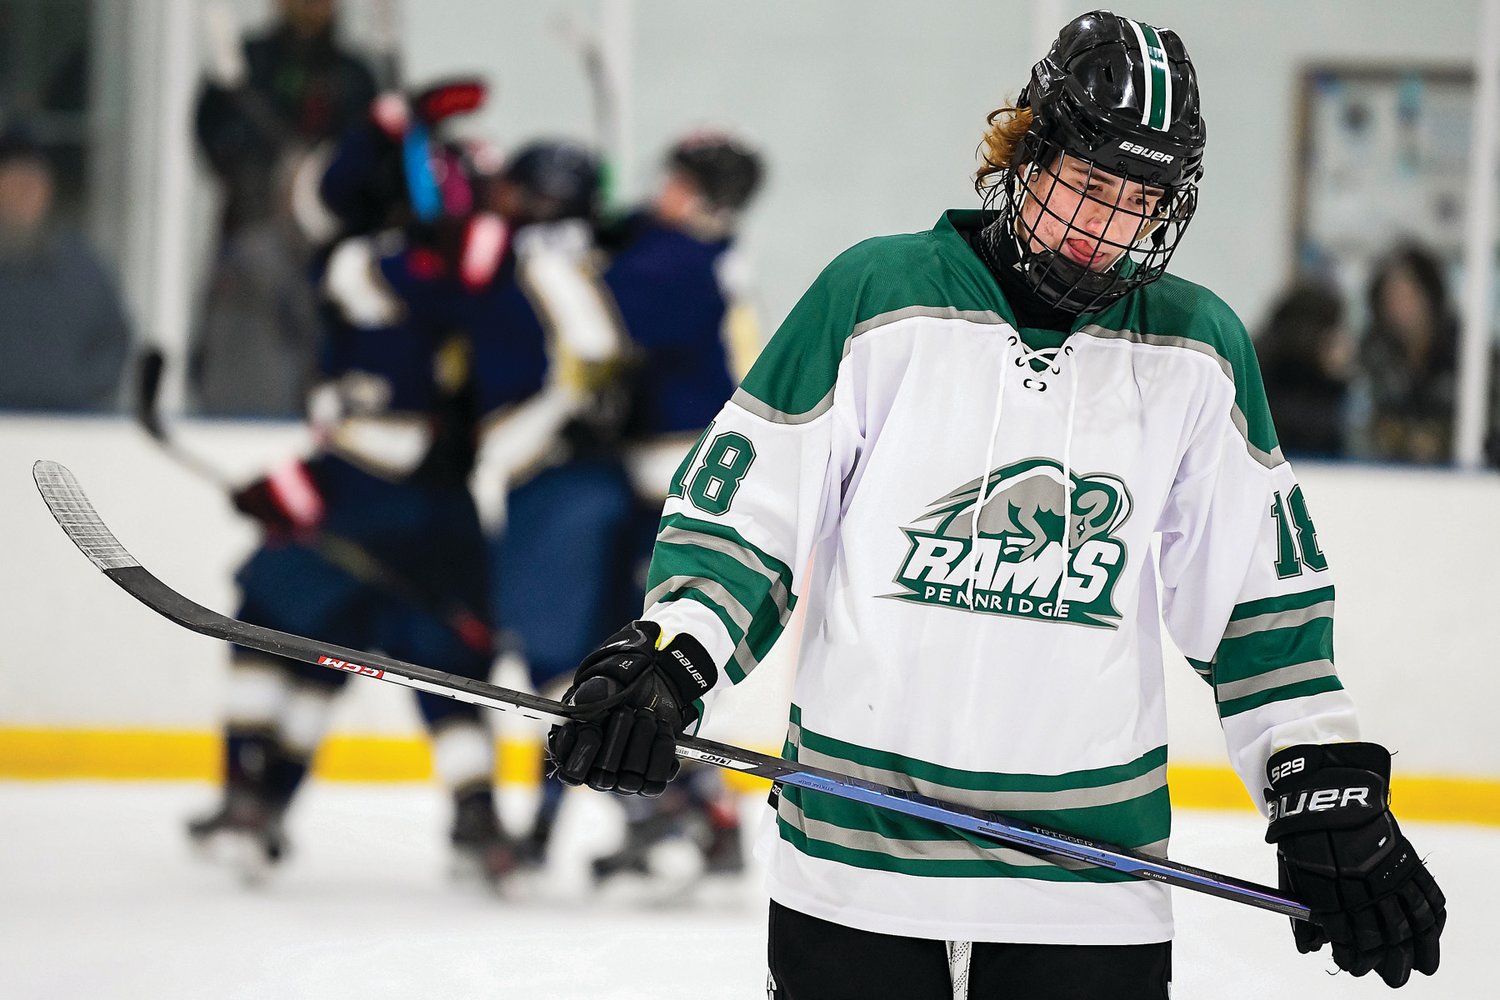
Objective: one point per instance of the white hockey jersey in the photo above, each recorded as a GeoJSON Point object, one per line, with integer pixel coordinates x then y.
{"type": "Point", "coordinates": [988, 513]}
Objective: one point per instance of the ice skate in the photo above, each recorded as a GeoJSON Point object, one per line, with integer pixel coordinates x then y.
{"type": "Point", "coordinates": [245, 833]}
{"type": "Point", "coordinates": [480, 847]}
{"type": "Point", "coordinates": [658, 834]}
{"type": "Point", "coordinates": [531, 850]}
{"type": "Point", "coordinates": [663, 860]}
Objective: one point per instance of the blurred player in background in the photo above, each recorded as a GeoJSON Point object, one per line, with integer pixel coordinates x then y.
{"type": "Point", "coordinates": [584, 526]}
{"type": "Point", "coordinates": [544, 340]}
{"type": "Point", "coordinates": [993, 439]}
{"type": "Point", "coordinates": [545, 346]}
{"type": "Point", "coordinates": [264, 106]}
{"type": "Point", "coordinates": [679, 284]}
{"type": "Point", "coordinates": [374, 540]}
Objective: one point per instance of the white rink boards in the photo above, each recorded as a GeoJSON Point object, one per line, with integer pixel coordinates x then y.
{"type": "Point", "coordinates": [101, 897]}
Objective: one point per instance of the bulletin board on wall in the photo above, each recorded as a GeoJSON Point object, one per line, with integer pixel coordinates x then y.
{"type": "Point", "coordinates": [1382, 158]}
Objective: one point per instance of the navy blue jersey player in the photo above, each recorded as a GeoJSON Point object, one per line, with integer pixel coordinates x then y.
{"type": "Point", "coordinates": [584, 525]}
{"type": "Point", "coordinates": [428, 336]}
{"type": "Point", "coordinates": [678, 284]}
{"type": "Point", "coordinates": [676, 280]}
{"type": "Point", "coordinates": [543, 336]}
{"type": "Point", "coordinates": [374, 541]}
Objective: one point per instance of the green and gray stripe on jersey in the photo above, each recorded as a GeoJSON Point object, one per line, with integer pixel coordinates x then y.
{"type": "Point", "coordinates": [872, 284]}
{"type": "Point", "coordinates": [1274, 649]}
{"type": "Point", "coordinates": [1156, 110]}
{"type": "Point", "coordinates": [749, 590]}
{"type": "Point", "coordinates": [1125, 804]}
{"type": "Point", "coordinates": [1251, 420]}
{"type": "Point", "coordinates": [797, 377]}
{"type": "Point", "coordinates": [935, 274]}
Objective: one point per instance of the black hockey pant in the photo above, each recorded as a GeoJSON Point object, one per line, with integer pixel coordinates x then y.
{"type": "Point", "coordinates": [812, 959]}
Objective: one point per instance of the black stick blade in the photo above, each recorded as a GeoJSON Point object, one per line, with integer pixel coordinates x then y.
{"type": "Point", "coordinates": [68, 504]}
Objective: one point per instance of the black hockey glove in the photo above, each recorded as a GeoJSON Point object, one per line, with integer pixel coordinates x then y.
{"type": "Point", "coordinates": [1341, 852]}
{"type": "Point", "coordinates": [632, 701]}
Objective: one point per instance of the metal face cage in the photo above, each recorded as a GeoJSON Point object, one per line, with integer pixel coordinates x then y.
{"type": "Point", "coordinates": [1084, 237]}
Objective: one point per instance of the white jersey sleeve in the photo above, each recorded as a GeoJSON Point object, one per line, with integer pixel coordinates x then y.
{"type": "Point", "coordinates": [757, 491]}
{"type": "Point", "coordinates": [1247, 593]}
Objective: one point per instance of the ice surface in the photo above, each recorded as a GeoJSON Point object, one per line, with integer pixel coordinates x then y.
{"type": "Point", "coordinates": [100, 897]}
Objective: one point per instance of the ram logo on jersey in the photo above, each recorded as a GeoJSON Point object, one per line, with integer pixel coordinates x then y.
{"type": "Point", "coordinates": [1022, 568]}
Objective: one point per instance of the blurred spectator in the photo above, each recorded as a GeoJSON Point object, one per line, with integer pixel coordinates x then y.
{"type": "Point", "coordinates": [1306, 355]}
{"type": "Point", "coordinates": [1409, 359]}
{"type": "Point", "coordinates": [263, 108]}
{"type": "Point", "coordinates": [63, 333]}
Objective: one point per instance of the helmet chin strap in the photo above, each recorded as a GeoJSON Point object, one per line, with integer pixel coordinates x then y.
{"type": "Point", "coordinates": [1061, 283]}
{"type": "Point", "coordinates": [1069, 285]}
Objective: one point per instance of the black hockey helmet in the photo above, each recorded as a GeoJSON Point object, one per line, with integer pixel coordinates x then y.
{"type": "Point", "coordinates": [558, 179]}
{"type": "Point", "coordinates": [1122, 97]}
{"type": "Point", "coordinates": [725, 170]}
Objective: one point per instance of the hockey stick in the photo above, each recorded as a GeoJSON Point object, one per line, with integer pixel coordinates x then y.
{"type": "Point", "coordinates": [342, 553]}
{"type": "Point", "coordinates": [77, 517]}
{"type": "Point", "coordinates": [583, 38]}
{"type": "Point", "coordinates": [148, 376]}
{"type": "Point", "coordinates": [386, 20]}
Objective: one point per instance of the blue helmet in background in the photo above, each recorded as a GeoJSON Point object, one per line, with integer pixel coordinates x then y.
{"type": "Point", "coordinates": [556, 179]}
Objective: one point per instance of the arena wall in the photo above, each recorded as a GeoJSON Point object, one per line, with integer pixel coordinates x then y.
{"type": "Point", "coordinates": [92, 685]}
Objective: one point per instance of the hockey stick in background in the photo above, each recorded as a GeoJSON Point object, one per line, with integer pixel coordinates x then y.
{"type": "Point", "coordinates": [342, 553]}
{"type": "Point", "coordinates": [148, 375]}
{"type": "Point", "coordinates": [385, 18]}
{"type": "Point", "coordinates": [77, 517]}
{"type": "Point", "coordinates": [583, 38]}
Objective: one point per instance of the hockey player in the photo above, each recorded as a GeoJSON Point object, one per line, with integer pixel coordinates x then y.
{"type": "Point", "coordinates": [387, 487]}
{"type": "Point", "coordinates": [995, 440]}
{"type": "Point", "coordinates": [543, 337]}
{"type": "Point", "coordinates": [516, 281]}
{"type": "Point", "coordinates": [542, 360]}
{"type": "Point", "coordinates": [677, 283]}
{"type": "Point", "coordinates": [583, 526]}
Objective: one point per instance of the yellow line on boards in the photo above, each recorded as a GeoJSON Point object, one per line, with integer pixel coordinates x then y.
{"type": "Point", "coordinates": [1433, 798]}
{"type": "Point", "coordinates": [192, 755]}
{"type": "Point", "coordinates": [45, 754]}
{"type": "Point", "coordinates": [131, 754]}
